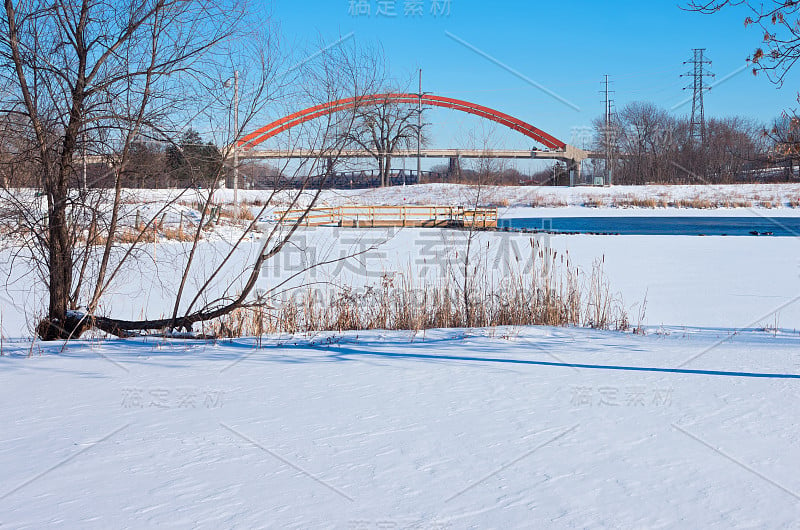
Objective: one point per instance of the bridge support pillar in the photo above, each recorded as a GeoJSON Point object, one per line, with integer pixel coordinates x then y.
{"type": "Point", "coordinates": [454, 170]}
{"type": "Point", "coordinates": [574, 172]}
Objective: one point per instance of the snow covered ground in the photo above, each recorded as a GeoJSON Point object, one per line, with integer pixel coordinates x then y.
{"type": "Point", "coordinates": [774, 199]}
{"type": "Point", "coordinates": [742, 282]}
{"type": "Point", "coordinates": [506, 428]}
{"type": "Point", "coordinates": [692, 425]}
{"type": "Point", "coordinates": [771, 197]}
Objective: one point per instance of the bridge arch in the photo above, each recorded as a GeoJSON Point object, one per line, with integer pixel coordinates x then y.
{"type": "Point", "coordinates": [283, 124]}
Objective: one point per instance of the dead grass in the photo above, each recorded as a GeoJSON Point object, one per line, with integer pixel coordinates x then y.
{"type": "Point", "coordinates": [502, 203]}
{"type": "Point", "coordinates": [547, 202]}
{"type": "Point", "coordinates": [662, 201]}
{"type": "Point", "coordinates": [178, 234]}
{"type": "Point", "coordinates": [593, 202]}
{"type": "Point", "coordinates": [129, 236]}
{"type": "Point", "coordinates": [644, 203]}
{"type": "Point", "coordinates": [697, 203]}
{"type": "Point", "coordinates": [637, 202]}
{"type": "Point", "coordinates": [768, 202]}
{"type": "Point", "coordinates": [243, 212]}
{"type": "Point", "coordinates": [555, 294]}
{"type": "Point", "coordinates": [736, 203]}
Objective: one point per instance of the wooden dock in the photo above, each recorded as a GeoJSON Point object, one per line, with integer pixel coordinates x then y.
{"type": "Point", "coordinates": [393, 216]}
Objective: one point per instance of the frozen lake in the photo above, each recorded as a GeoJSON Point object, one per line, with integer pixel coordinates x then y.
{"type": "Point", "coordinates": [661, 225]}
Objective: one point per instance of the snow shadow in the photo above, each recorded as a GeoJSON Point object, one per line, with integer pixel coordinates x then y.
{"type": "Point", "coordinates": [472, 349]}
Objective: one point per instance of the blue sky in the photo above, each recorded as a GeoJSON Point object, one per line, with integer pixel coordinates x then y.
{"type": "Point", "coordinates": [565, 47]}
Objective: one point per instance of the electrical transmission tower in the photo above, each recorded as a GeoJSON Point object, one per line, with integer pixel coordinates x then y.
{"type": "Point", "coordinates": [698, 75]}
{"type": "Point", "coordinates": [608, 129]}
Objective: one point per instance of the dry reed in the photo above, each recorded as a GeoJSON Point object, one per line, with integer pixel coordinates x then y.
{"type": "Point", "coordinates": [554, 293]}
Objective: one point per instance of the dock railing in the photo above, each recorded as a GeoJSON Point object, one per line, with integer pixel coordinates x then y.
{"type": "Point", "coordinates": [399, 216]}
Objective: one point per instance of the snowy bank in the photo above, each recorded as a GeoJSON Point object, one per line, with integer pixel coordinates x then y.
{"type": "Point", "coordinates": [447, 429]}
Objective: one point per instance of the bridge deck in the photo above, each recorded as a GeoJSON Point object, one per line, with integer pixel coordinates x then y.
{"type": "Point", "coordinates": [392, 216]}
{"type": "Point", "coordinates": [570, 154]}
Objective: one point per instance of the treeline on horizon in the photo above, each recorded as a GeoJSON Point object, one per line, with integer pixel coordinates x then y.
{"type": "Point", "coordinates": [646, 144]}
{"type": "Point", "coordinates": [649, 145]}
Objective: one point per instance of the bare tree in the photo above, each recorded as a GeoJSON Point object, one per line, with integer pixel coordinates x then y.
{"type": "Point", "coordinates": [92, 69]}
{"type": "Point", "coordinates": [732, 147]}
{"type": "Point", "coordinates": [784, 135]}
{"type": "Point", "coordinates": [472, 263]}
{"type": "Point", "coordinates": [651, 146]}
{"type": "Point", "coordinates": [647, 137]}
{"type": "Point", "coordinates": [780, 22]}
{"type": "Point", "coordinates": [383, 127]}
{"type": "Point", "coordinates": [96, 78]}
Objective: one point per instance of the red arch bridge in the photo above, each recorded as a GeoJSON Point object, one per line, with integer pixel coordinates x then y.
{"type": "Point", "coordinates": [554, 149]}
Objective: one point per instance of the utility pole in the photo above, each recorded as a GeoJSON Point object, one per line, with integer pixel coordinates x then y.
{"type": "Point", "coordinates": [83, 179]}
{"type": "Point", "coordinates": [419, 132]}
{"type": "Point", "coordinates": [698, 75]}
{"type": "Point", "coordinates": [235, 143]}
{"type": "Point", "coordinates": [609, 111]}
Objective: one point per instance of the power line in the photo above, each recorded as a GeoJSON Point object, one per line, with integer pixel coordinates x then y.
{"type": "Point", "coordinates": [609, 110]}
{"type": "Point", "coordinates": [698, 75]}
